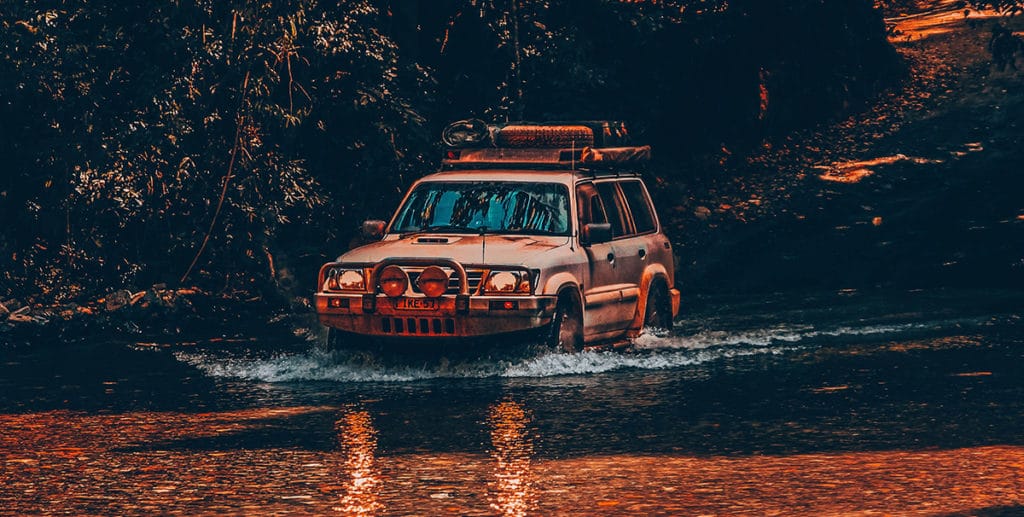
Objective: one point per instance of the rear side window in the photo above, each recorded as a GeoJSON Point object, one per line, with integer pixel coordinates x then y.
{"type": "Point", "coordinates": [640, 206]}
{"type": "Point", "coordinates": [613, 207]}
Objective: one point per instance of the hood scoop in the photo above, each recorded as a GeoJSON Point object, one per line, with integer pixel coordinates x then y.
{"type": "Point", "coordinates": [432, 240]}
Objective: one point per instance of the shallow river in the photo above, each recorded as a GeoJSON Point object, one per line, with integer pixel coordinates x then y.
{"type": "Point", "coordinates": [848, 403]}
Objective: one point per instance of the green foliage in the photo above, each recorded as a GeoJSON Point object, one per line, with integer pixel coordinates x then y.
{"type": "Point", "coordinates": [247, 136]}
{"type": "Point", "coordinates": [126, 122]}
{"type": "Point", "coordinates": [699, 72]}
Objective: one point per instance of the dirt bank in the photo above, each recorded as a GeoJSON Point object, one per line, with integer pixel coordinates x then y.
{"type": "Point", "coordinates": [919, 191]}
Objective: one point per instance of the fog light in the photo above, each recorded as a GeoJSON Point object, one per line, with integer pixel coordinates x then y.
{"type": "Point", "coordinates": [338, 303]}
{"type": "Point", "coordinates": [508, 305]}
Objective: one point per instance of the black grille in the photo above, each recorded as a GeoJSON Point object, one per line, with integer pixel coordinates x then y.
{"type": "Point", "coordinates": [418, 326]}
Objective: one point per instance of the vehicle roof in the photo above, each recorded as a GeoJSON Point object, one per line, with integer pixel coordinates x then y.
{"type": "Point", "coordinates": [528, 175]}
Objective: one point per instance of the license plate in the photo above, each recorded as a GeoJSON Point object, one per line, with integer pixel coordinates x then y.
{"type": "Point", "coordinates": [416, 304]}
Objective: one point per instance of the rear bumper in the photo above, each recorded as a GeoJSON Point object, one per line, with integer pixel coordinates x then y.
{"type": "Point", "coordinates": [486, 316]}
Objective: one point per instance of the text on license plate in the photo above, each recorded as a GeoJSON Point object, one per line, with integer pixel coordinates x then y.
{"type": "Point", "coordinates": [416, 304]}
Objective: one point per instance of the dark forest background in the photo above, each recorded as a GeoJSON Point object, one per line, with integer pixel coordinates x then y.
{"type": "Point", "coordinates": [235, 145]}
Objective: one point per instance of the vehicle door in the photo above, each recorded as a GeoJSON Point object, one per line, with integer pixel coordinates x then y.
{"type": "Point", "coordinates": [652, 247]}
{"type": "Point", "coordinates": [602, 285]}
{"type": "Point", "coordinates": [627, 248]}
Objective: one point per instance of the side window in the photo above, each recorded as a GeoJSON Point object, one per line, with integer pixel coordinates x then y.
{"type": "Point", "coordinates": [639, 205]}
{"type": "Point", "coordinates": [588, 205]}
{"type": "Point", "coordinates": [613, 207]}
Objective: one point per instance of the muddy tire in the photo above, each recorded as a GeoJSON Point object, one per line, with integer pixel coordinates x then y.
{"type": "Point", "coordinates": [332, 341]}
{"type": "Point", "coordinates": [658, 314]}
{"type": "Point", "coordinates": [565, 334]}
{"type": "Point", "coordinates": [338, 340]}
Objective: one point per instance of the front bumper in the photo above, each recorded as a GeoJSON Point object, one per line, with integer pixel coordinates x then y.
{"type": "Point", "coordinates": [486, 316]}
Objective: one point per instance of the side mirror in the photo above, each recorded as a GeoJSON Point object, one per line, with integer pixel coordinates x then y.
{"type": "Point", "coordinates": [373, 229]}
{"type": "Point", "coordinates": [596, 233]}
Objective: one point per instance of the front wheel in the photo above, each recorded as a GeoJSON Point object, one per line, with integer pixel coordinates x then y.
{"type": "Point", "coordinates": [565, 333]}
{"type": "Point", "coordinates": [340, 340]}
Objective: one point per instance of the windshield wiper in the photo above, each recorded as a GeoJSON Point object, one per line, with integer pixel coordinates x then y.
{"type": "Point", "coordinates": [438, 228]}
{"type": "Point", "coordinates": [445, 228]}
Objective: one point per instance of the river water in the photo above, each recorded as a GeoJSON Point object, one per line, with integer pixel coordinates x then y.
{"type": "Point", "coordinates": [835, 403]}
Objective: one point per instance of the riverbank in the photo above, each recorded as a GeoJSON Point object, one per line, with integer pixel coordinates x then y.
{"type": "Point", "coordinates": [920, 191]}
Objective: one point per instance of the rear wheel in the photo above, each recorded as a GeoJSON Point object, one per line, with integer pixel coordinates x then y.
{"type": "Point", "coordinates": [565, 333]}
{"type": "Point", "coordinates": [658, 314]}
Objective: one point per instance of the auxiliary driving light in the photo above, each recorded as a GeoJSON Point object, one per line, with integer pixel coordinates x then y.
{"type": "Point", "coordinates": [433, 282]}
{"type": "Point", "coordinates": [393, 281]}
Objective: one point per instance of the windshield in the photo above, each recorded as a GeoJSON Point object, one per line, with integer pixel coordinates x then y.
{"type": "Point", "coordinates": [491, 206]}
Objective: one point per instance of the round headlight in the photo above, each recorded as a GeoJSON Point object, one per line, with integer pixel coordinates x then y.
{"type": "Point", "coordinates": [393, 281]}
{"type": "Point", "coordinates": [433, 281]}
{"type": "Point", "coordinates": [351, 280]}
{"type": "Point", "coordinates": [503, 282]}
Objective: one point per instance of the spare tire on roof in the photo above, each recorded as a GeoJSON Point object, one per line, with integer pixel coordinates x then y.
{"type": "Point", "coordinates": [551, 136]}
{"type": "Point", "coordinates": [471, 132]}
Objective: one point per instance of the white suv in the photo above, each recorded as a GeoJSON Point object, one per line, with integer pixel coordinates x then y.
{"type": "Point", "coordinates": [561, 240]}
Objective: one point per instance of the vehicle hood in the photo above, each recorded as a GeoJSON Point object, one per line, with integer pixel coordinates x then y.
{"type": "Point", "coordinates": [511, 250]}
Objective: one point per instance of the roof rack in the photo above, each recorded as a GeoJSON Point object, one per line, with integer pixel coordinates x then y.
{"type": "Point", "coordinates": [585, 158]}
{"type": "Point", "coordinates": [558, 145]}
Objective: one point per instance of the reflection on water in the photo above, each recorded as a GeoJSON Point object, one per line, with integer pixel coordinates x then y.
{"type": "Point", "coordinates": [877, 407]}
{"type": "Point", "coordinates": [512, 452]}
{"type": "Point", "coordinates": [855, 170]}
{"type": "Point", "coordinates": [357, 439]}
{"type": "Point", "coordinates": [942, 19]}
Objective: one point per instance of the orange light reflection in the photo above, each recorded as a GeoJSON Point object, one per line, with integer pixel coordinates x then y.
{"type": "Point", "coordinates": [512, 452]}
{"type": "Point", "coordinates": [935, 22]}
{"type": "Point", "coordinates": [151, 462]}
{"type": "Point", "coordinates": [357, 439]}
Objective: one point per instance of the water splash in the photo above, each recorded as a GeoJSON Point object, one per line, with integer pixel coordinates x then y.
{"type": "Point", "coordinates": [652, 352]}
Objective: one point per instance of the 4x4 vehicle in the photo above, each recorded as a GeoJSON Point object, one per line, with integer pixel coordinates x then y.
{"type": "Point", "coordinates": [533, 228]}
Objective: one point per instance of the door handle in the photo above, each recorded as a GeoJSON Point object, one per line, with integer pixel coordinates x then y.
{"type": "Point", "coordinates": [643, 253]}
{"type": "Point", "coordinates": [611, 257]}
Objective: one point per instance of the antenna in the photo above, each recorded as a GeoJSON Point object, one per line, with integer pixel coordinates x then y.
{"type": "Point", "coordinates": [572, 154]}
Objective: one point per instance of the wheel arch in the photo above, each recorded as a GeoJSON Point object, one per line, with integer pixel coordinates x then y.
{"type": "Point", "coordinates": [559, 281]}
{"type": "Point", "coordinates": [653, 273]}
{"type": "Point", "coordinates": [571, 289]}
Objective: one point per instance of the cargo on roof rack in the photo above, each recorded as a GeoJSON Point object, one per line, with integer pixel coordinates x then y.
{"type": "Point", "coordinates": [584, 144]}
{"type": "Point", "coordinates": [587, 157]}
{"type": "Point", "coordinates": [576, 133]}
